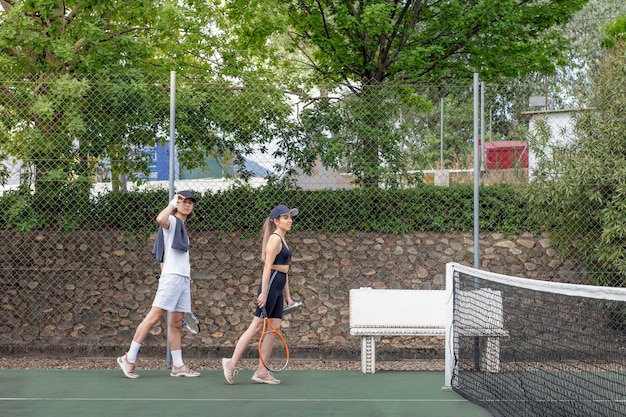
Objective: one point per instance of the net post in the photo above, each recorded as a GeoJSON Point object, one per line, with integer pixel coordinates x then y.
{"type": "Point", "coordinates": [449, 327]}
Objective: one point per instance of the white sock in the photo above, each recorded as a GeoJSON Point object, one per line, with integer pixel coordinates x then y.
{"type": "Point", "coordinates": [177, 358]}
{"type": "Point", "coordinates": [131, 356]}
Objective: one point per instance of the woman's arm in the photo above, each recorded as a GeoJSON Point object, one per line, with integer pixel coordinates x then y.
{"type": "Point", "coordinates": [273, 247]}
{"type": "Point", "coordinates": [286, 293]}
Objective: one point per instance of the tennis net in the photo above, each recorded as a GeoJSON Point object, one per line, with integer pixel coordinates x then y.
{"type": "Point", "coordinates": [523, 347]}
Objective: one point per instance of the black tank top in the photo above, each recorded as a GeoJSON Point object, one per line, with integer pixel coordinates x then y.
{"type": "Point", "coordinates": [284, 256]}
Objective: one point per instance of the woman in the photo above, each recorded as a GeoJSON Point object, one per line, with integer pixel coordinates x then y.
{"type": "Point", "coordinates": [273, 290]}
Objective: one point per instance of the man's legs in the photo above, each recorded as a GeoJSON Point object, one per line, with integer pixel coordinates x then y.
{"type": "Point", "coordinates": [153, 318]}
{"type": "Point", "coordinates": [127, 362]}
{"type": "Point", "coordinates": [174, 336]}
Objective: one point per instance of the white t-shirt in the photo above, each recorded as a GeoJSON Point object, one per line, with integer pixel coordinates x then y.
{"type": "Point", "coordinates": [174, 261]}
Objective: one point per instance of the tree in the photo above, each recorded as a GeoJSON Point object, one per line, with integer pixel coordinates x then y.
{"type": "Point", "coordinates": [364, 45]}
{"type": "Point", "coordinates": [75, 91]}
{"type": "Point", "coordinates": [87, 82]}
{"type": "Point", "coordinates": [76, 86]}
{"type": "Point", "coordinates": [581, 200]}
{"type": "Point", "coordinates": [508, 99]}
{"type": "Point", "coordinates": [615, 32]}
{"type": "Point", "coordinates": [584, 33]}
{"type": "Point", "coordinates": [376, 41]}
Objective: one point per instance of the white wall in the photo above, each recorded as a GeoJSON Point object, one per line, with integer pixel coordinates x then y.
{"type": "Point", "coordinates": [561, 125]}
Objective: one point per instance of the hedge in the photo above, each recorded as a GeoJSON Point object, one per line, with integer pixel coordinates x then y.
{"type": "Point", "coordinates": [503, 208]}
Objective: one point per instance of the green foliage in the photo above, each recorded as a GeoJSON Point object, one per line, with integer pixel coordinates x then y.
{"type": "Point", "coordinates": [218, 120]}
{"type": "Point", "coordinates": [581, 199]}
{"type": "Point", "coordinates": [355, 47]}
{"type": "Point", "coordinates": [424, 124]}
{"type": "Point", "coordinates": [363, 133]}
{"type": "Point", "coordinates": [105, 56]}
{"type": "Point", "coordinates": [60, 202]}
{"type": "Point", "coordinates": [585, 32]}
{"type": "Point", "coordinates": [244, 209]}
{"type": "Point", "coordinates": [63, 200]}
{"type": "Point", "coordinates": [380, 41]}
{"type": "Point", "coordinates": [614, 32]}
{"type": "Point", "coordinates": [241, 209]}
{"type": "Point", "coordinates": [17, 212]}
{"type": "Point", "coordinates": [131, 211]}
{"type": "Point", "coordinates": [111, 61]}
{"type": "Point", "coordinates": [51, 54]}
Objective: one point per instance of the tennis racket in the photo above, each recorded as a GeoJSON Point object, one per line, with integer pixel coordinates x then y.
{"type": "Point", "coordinates": [291, 308]}
{"type": "Point", "coordinates": [191, 322]}
{"type": "Point", "coordinates": [273, 349]}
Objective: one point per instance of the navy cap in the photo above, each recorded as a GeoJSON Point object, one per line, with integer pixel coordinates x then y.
{"type": "Point", "coordinates": [188, 195]}
{"type": "Point", "coordinates": [282, 209]}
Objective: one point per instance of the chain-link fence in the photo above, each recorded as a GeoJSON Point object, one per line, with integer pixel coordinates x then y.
{"type": "Point", "coordinates": [383, 178]}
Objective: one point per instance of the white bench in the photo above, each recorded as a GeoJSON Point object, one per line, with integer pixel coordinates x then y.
{"type": "Point", "coordinates": [479, 313]}
{"type": "Point", "coordinates": [385, 312]}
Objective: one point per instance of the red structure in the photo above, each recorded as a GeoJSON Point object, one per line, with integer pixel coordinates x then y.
{"type": "Point", "coordinates": [506, 154]}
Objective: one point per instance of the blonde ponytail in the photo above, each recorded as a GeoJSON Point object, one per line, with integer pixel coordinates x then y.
{"type": "Point", "coordinates": [268, 228]}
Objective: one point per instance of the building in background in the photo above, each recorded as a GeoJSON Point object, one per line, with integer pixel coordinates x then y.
{"type": "Point", "coordinates": [560, 126]}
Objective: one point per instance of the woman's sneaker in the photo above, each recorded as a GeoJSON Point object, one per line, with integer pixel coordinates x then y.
{"type": "Point", "coordinates": [127, 367]}
{"type": "Point", "coordinates": [265, 379]}
{"type": "Point", "coordinates": [184, 371]}
{"type": "Point", "coordinates": [229, 375]}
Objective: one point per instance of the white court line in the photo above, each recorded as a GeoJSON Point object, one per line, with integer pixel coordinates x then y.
{"type": "Point", "coordinates": [329, 400]}
{"type": "Point", "coordinates": [296, 400]}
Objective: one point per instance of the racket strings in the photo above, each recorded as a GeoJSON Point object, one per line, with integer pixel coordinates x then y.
{"type": "Point", "coordinates": [191, 322]}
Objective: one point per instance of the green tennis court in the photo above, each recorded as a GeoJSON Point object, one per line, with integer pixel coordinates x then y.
{"type": "Point", "coordinates": [303, 393]}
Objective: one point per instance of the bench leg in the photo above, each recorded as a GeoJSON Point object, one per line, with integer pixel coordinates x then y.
{"type": "Point", "coordinates": [368, 355]}
{"type": "Point", "coordinates": [490, 354]}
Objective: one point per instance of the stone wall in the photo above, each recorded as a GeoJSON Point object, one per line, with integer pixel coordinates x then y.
{"type": "Point", "coordinates": [85, 292]}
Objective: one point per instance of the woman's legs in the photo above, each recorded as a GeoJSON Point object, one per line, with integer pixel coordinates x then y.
{"type": "Point", "coordinates": [243, 343]}
{"type": "Point", "coordinates": [267, 346]}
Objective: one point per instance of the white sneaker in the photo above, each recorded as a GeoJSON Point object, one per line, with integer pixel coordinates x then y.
{"type": "Point", "coordinates": [127, 367]}
{"type": "Point", "coordinates": [229, 375]}
{"type": "Point", "coordinates": [265, 379]}
{"type": "Point", "coordinates": [184, 371]}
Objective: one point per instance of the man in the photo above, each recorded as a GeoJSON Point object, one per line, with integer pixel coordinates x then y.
{"type": "Point", "coordinates": [171, 249]}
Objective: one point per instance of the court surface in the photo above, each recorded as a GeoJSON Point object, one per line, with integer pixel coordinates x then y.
{"type": "Point", "coordinates": [102, 393]}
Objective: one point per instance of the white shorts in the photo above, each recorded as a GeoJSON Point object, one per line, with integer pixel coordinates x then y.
{"type": "Point", "coordinates": [173, 293]}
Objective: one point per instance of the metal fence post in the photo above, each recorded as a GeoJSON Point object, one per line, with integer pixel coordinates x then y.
{"type": "Point", "coordinates": [168, 354]}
